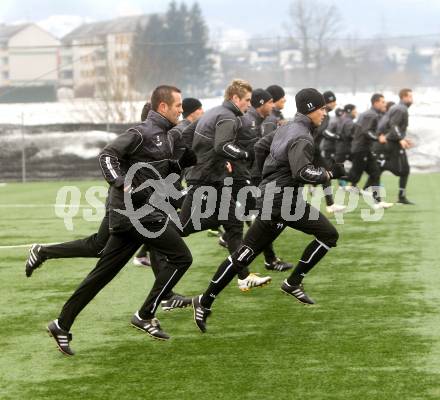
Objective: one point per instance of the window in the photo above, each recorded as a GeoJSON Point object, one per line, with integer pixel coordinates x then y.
{"type": "Point", "coordinates": [67, 74]}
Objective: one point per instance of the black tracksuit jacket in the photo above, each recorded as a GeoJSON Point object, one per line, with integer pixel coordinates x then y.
{"type": "Point", "coordinates": [148, 142]}
{"type": "Point", "coordinates": [215, 142]}
{"type": "Point", "coordinates": [365, 131]}
{"type": "Point", "coordinates": [290, 160]}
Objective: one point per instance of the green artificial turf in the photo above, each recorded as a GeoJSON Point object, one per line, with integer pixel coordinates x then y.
{"type": "Point", "coordinates": [374, 333]}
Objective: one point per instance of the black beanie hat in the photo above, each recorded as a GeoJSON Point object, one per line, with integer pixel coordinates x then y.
{"type": "Point", "coordinates": [309, 100]}
{"type": "Point", "coordinates": [190, 105]}
{"type": "Point", "coordinates": [339, 112]}
{"type": "Point", "coordinates": [348, 108]}
{"type": "Point", "coordinates": [329, 96]}
{"type": "Point", "coordinates": [277, 92]}
{"type": "Point", "coordinates": [260, 97]}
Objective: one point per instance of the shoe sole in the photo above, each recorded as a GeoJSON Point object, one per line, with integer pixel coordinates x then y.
{"type": "Point", "coordinates": [149, 334]}
{"type": "Point", "coordinates": [58, 346]}
{"type": "Point", "coordinates": [248, 289]}
{"type": "Point", "coordinates": [298, 300]}
{"type": "Point", "coordinates": [278, 270]}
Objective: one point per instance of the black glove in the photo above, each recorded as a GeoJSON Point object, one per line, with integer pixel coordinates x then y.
{"type": "Point", "coordinates": [337, 171]}
{"type": "Point", "coordinates": [188, 159]}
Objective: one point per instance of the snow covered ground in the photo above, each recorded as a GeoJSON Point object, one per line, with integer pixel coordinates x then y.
{"type": "Point", "coordinates": [424, 118]}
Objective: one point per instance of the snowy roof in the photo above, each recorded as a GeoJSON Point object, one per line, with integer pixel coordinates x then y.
{"type": "Point", "coordinates": [7, 31]}
{"type": "Point", "coordinates": [117, 25]}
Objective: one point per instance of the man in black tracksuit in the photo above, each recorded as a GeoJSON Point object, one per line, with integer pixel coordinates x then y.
{"type": "Point", "coordinates": [330, 136]}
{"type": "Point", "coordinates": [363, 160]}
{"type": "Point", "coordinates": [391, 153]}
{"type": "Point", "coordinates": [149, 144]}
{"type": "Point", "coordinates": [216, 146]}
{"type": "Point", "coordinates": [319, 133]}
{"type": "Point", "coordinates": [276, 118]}
{"type": "Point", "coordinates": [247, 173]}
{"type": "Point", "coordinates": [287, 168]}
{"type": "Point", "coordinates": [345, 132]}
{"type": "Point", "coordinates": [93, 245]}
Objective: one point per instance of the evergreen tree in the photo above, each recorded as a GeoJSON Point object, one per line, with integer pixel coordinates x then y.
{"type": "Point", "coordinates": [172, 49]}
{"type": "Point", "coordinates": [147, 56]}
{"type": "Point", "coordinates": [200, 63]}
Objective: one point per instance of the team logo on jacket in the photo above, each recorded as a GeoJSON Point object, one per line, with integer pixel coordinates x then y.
{"type": "Point", "coordinates": [157, 140]}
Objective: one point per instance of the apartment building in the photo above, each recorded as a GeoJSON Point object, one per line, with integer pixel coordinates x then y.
{"type": "Point", "coordinates": [95, 56]}
{"type": "Point", "coordinates": [28, 59]}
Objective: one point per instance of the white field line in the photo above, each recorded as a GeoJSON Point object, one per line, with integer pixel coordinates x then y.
{"type": "Point", "coordinates": [19, 246]}
{"type": "Point", "coordinates": [47, 206]}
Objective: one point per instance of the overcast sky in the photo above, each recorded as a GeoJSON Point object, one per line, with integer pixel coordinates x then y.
{"type": "Point", "coordinates": [238, 17]}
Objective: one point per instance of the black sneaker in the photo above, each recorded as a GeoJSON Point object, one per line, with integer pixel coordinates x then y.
{"type": "Point", "coordinates": [150, 326]}
{"type": "Point", "coordinates": [175, 301]}
{"type": "Point", "coordinates": [297, 291]}
{"type": "Point", "coordinates": [404, 200]}
{"type": "Point", "coordinates": [200, 313]}
{"type": "Point", "coordinates": [278, 265]}
{"type": "Point", "coordinates": [222, 242]}
{"type": "Point", "coordinates": [34, 260]}
{"type": "Point", "coordinates": [62, 338]}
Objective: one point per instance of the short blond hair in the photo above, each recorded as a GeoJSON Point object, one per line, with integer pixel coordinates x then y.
{"type": "Point", "coordinates": [237, 87]}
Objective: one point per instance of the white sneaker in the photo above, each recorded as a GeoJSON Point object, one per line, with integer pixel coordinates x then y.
{"type": "Point", "coordinates": [142, 261]}
{"type": "Point", "coordinates": [334, 208]}
{"type": "Point", "coordinates": [382, 204]}
{"type": "Point", "coordinates": [251, 281]}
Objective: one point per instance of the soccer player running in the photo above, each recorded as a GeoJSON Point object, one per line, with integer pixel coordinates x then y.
{"type": "Point", "coordinates": [288, 167]}
{"type": "Point", "coordinates": [247, 173]}
{"type": "Point", "coordinates": [363, 160]}
{"type": "Point", "coordinates": [328, 143]}
{"type": "Point", "coordinates": [150, 144]}
{"type": "Point", "coordinates": [216, 145]}
{"type": "Point", "coordinates": [93, 245]}
{"type": "Point", "coordinates": [393, 127]}
{"type": "Point", "coordinates": [276, 117]}
{"type": "Point", "coordinates": [345, 132]}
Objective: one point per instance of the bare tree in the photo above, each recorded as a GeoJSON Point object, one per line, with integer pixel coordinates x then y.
{"type": "Point", "coordinates": [327, 25]}
{"type": "Point", "coordinates": [314, 24]}
{"type": "Point", "coordinates": [302, 22]}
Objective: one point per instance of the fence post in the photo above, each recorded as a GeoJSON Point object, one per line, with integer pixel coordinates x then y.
{"type": "Point", "coordinates": [23, 151]}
